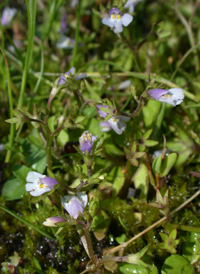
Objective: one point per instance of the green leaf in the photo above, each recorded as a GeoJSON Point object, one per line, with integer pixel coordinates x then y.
{"type": "Point", "coordinates": [168, 163]}
{"type": "Point", "coordinates": [150, 143]}
{"type": "Point", "coordinates": [191, 247]}
{"type": "Point", "coordinates": [157, 162]}
{"type": "Point", "coordinates": [13, 189]}
{"type": "Point", "coordinates": [125, 268]}
{"type": "Point", "coordinates": [141, 180]}
{"type": "Point", "coordinates": [20, 172]}
{"type": "Point", "coordinates": [147, 134]}
{"type": "Point", "coordinates": [121, 239]}
{"type": "Point", "coordinates": [24, 221]}
{"type": "Point", "coordinates": [177, 264]}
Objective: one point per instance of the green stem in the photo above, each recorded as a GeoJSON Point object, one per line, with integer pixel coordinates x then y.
{"type": "Point", "coordinates": [123, 37]}
{"type": "Point", "coordinates": [10, 100]}
{"type": "Point", "coordinates": [31, 9]}
{"type": "Point", "coordinates": [190, 34]}
{"type": "Point", "coordinates": [186, 228]}
{"type": "Point", "coordinates": [78, 16]}
{"type": "Point", "coordinates": [183, 59]}
{"type": "Point", "coordinates": [89, 245]}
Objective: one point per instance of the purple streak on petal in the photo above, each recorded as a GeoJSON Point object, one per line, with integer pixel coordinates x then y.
{"type": "Point", "coordinates": [101, 113]}
{"type": "Point", "coordinates": [86, 147]}
{"type": "Point", "coordinates": [114, 10]}
{"type": "Point", "coordinates": [49, 182]}
{"type": "Point", "coordinates": [157, 93]}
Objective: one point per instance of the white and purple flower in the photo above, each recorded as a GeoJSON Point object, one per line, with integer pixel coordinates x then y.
{"type": "Point", "coordinates": [52, 221]}
{"type": "Point", "coordinates": [86, 142]}
{"type": "Point", "coordinates": [131, 4]}
{"type": "Point", "coordinates": [7, 16]}
{"type": "Point", "coordinates": [39, 184]}
{"type": "Point", "coordinates": [173, 96]}
{"type": "Point", "coordinates": [65, 42]}
{"type": "Point", "coordinates": [116, 21]}
{"type": "Point", "coordinates": [73, 205]}
{"type": "Point", "coordinates": [116, 122]}
{"type": "Point", "coordinates": [63, 78]}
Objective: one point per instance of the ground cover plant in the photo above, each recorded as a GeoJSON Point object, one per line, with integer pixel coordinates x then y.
{"type": "Point", "coordinates": [99, 142]}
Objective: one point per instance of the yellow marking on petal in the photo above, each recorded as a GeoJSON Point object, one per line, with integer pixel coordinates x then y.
{"type": "Point", "coordinates": [41, 185]}
{"type": "Point", "coordinates": [118, 16]}
{"type": "Point", "coordinates": [113, 16]}
{"type": "Point", "coordinates": [114, 120]}
{"type": "Point", "coordinates": [166, 96]}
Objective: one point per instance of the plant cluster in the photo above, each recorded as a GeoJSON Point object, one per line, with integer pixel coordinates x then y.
{"type": "Point", "coordinates": [100, 147]}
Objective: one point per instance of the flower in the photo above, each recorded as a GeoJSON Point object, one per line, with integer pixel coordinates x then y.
{"type": "Point", "coordinates": [52, 221]}
{"type": "Point", "coordinates": [173, 96]}
{"type": "Point", "coordinates": [7, 15]}
{"type": "Point", "coordinates": [116, 20]}
{"type": "Point", "coordinates": [63, 24]}
{"type": "Point", "coordinates": [116, 122]}
{"type": "Point", "coordinates": [73, 205]}
{"type": "Point", "coordinates": [74, 3]}
{"type": "Point", "coordinates": [131, 4]}
{"type": "Point", "coordinates": [65, 42]}
{"type": "Point", "coordinates": [63, 79]}
{"type": "Point", "coordinates": [105, 126]}
{"type": "Point", "coordinates": [86, 142]}
{"type": "Point", "coordinates": [39, 184]}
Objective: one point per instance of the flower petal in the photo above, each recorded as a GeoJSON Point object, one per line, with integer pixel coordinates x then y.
{"type": "Point", "coordinates": [39, 191]}
{"type": "Point", "coordinates": [157, 93]}
{"type": "Point", "coordinates": [83, 198]}
{"type": "Point", "coordinates": [114, 124]}
{"type": "Point", "coordinates": [87, 146]}
{"type": "Point", "coordinates": [33, 176]}
{"type": "Point", "coordinates": [101, 113]}
{"type": "Point", "coordinates": [105, 126]}
{"type": "Point", "coordinates": [49, 182]}
{"type": "Point", "coordinates": [126, 19]}
{"type": "Point", "coordinates": [118, 27]}
{"type": "Point", "coordinates": [124, 118]}
{"type": "Point", "coordinates": [30, 186]}
{"type": "Point", "coordinates": [177, 93]}
{"type": "Point", "coordinates": [52, 221]}
{"type": "Point", "coordinates": [114, 10]}
{"type": "Point", "coordinates": [108, 22]}
{"type": "Point", "coordinates": [81, 76]}
{"type": "Point", "coordinates": [73, 207]}
{"type": "Point", "coordinates": [62, 80]}
{"type": "Point", "coordinates": [167, 100]}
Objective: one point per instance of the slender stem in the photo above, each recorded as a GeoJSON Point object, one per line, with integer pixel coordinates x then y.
{"type": "Point", "coordinates": [113, 250]}
{"type": "Point", "coordinates": [186, 228]}
{"type": "Point", "coordinates": [10, 100]}
{"type": "Point", "coordinates": [89, 245]}
{"type": "Point", "coordinates": [184, 58]}
{"type": "Point", "coordinates": [189, 32]}
{"type": "Point", "coordinates": [31, 9]}
{"type": "Point", "coordinates": [112, 259]}
{"type": "Point", "coordinates": [89, 169]}
{"type": "Point", "coordinates": [78, 16]}
{"type": "Point", "coordinates": [123, 37]}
